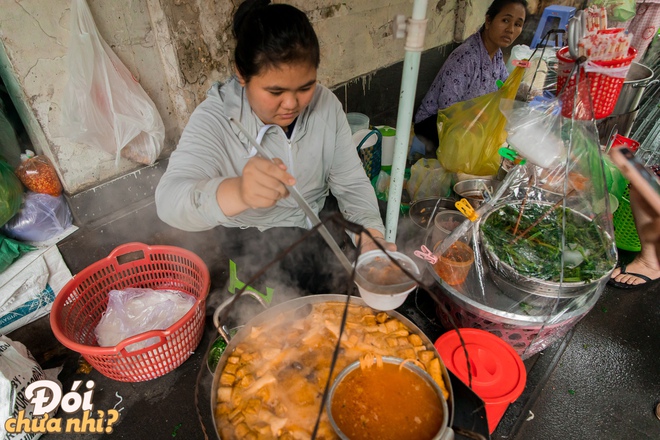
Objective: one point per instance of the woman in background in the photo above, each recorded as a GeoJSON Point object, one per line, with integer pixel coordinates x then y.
{"type": "Point", "coordinates": [474, 68]}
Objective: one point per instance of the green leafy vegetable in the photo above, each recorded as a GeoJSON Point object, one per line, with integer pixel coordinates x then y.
{"type": "Point", "coordinates": [538, 253]}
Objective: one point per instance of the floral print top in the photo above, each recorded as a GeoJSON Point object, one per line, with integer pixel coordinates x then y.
{"type": "Point", "coordinates": [468, 72]}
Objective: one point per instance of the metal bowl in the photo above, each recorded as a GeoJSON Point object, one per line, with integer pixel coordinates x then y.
{"type": "Point", "coordinates": [473, 190]}
{"type": "Point", "coordinates": [423, 211]}
{"type": "Point", "coordinates": [445, 432]}
{"type": "Point", "coordinates": [512, 283]}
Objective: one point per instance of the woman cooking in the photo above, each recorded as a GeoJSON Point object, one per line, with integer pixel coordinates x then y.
{"type": "Point", "coordinates": [215, 179]}
{"type": "Point", "coordinates": [474, 68]}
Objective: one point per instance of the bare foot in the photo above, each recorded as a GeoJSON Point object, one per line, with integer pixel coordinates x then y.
{"type": "Point", "coordinates": [638, 266]}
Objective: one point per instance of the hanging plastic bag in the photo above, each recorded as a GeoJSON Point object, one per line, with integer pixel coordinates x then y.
{"type": "Point", "coordinates": [41, 218]}
{"type": "Point", "coordinates": [471, 132]}
{"type": "Point", "coordinates": [11, 193]}
{"type": "Point", "coordinates": [38, 174]}
{"type": "Point", "coordinates": [534, 130]}
{"type": "Point", "coordinates": [104, 105]}
{"type": "Point", "coordinates": [617, 10]}
{"type": "Point", "coordinates": [428, 179]}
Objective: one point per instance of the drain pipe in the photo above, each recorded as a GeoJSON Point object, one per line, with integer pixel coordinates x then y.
{"type": "Point", "coordinates": [414, 29]}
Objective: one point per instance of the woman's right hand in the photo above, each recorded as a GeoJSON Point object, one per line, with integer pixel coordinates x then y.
{"type": "Point", "coordinates": [261, 185]}
{"type": "Point", "coordinates": [263, 182]}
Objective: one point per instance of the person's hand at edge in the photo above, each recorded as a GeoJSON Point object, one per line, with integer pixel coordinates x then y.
{"type": "Point", "coordinates": [367, 244]}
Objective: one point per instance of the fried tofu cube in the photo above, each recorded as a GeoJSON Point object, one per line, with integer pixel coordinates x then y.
{"type": "Point", "coordinates": [407, 353]}
{"type": "Point", "coordinates": [253, 406]}
{"type": "Point", "coordinates": [425, 356]}
{"type": "Point", "coordinates": [392, 325]}
{"type": "Point", "coordinates": [233, 359]}
{"type": "Point", "coordinates": [392, 342]}
{"type": "Point", "coordinates": [403, 342]}
{"type": "Point", "coordinates": [246, 381]}
{"type": "Point", "coordinates": [238, 419]}
{"type": "Point", "coordinates": [224, 394]}
{"type": "Point", "coordinates": [382, 317]}
{"type": "Point", "coordinates": [415, 340]}
{"type": "Point", "coordinates": [227, 379]}
{"type": "Point", "coordinates": [242, 430]}
{"type": "Point", "coordinates": [231, 368]}
{"type": "Point", "coordinates": [369, 320]}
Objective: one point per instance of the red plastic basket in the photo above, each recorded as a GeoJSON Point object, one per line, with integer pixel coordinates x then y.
{"type": "Point", "coordinates": [79, 306]}
{"type": "Point", "coordinates": [604, 89]}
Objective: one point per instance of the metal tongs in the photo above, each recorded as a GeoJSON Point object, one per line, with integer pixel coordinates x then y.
{"type": "Point", "coordinates": [302, 203]}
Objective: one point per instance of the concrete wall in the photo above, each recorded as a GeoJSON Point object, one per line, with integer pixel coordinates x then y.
{"type": "Point", "coordinates": [177, 48]}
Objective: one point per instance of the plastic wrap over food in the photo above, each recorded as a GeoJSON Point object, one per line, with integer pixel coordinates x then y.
{"type": "Point", "coordinates": [535, 256]}
{"type": "Point", "coordinates": [134, 311]}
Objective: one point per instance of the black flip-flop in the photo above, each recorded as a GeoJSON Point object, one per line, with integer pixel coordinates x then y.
{"type": "Point", "coordinates": [614, 283]}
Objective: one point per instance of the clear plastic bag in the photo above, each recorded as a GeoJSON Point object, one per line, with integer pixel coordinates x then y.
{"type": "Point", "coordinates": [41, 217]}
{"type": "Point", "coordinates": [11, 193]}
{"type": "Point", "coordinates": [428, 179]}
{"type": "Point", "coordinates": [104, 105]}
{"type": "Point", "coordinates": [617, 10]}
{"type": "Point", "coordinates": [534, 130]}
{"type": "Point", "coordinates": [134, 311]}
{"type": "Point", "coordinates": [38, 174]}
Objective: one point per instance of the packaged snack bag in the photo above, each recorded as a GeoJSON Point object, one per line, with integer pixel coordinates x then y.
{"type": "Point", "coordinates": [38, 174]}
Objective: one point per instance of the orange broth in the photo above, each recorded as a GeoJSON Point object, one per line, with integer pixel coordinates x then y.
{"type": "Point", "coordinates": [386, 403]}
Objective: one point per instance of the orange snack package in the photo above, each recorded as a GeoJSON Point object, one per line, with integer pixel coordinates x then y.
{"type": "Point", "coordinates": [38, 174]}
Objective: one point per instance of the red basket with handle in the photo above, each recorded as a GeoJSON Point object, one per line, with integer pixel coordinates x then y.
{"type": "Point", "coordinates": [81, 303]}
{"type": "Point", "coordinates": [604, 89]}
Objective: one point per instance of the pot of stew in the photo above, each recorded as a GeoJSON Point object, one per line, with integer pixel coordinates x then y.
{"type": "Point", "coordinates": [271, 378]}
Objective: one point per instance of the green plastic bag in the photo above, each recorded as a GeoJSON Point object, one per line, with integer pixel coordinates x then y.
{"type": "Point", "coordinates": [11, 250]}
{"type": "Point", "coordinates": [11, 193]}
{"type": "Point", "coordinates": [617, 10]}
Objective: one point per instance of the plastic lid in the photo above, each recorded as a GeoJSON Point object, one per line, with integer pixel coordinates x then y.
{"type": "Point", "coordinates": [386, 130]}
{"type": "Point", "coordinates": [498, 372]}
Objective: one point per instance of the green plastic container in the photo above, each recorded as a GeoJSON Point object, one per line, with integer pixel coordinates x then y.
{"type": "Point", "coordinates": [625, 233]}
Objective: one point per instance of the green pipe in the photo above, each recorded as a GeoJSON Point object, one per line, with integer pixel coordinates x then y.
{"type": "Point", "coordinates": [414, 46]}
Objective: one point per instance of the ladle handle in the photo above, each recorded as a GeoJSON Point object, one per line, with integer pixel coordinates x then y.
{"type": "Point", "coordinates": [216, 315]}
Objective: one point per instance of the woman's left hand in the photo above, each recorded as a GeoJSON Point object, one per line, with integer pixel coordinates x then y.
{"type": "Point", "coordinates": [367, 244]}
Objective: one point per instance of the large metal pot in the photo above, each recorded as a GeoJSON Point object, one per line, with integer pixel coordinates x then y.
{"type": "Point", "coordinates": [299, 304]}
{"type": "Point", "coordinates": [638, 78]}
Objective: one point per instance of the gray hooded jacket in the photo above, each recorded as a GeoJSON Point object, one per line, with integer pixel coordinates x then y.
{"type": "Point", "coordinates": [320, 155]}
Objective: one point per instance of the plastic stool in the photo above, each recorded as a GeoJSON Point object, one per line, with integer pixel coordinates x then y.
{"type": "Point", "coordinates": [564, 13]}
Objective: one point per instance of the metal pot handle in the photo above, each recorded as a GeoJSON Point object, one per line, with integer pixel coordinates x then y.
{"type": "Point", "coordinates": [216, 315]}
{"type": "Point", "coordinates": [467, 433]}
{"type": "Point", "coordinates": [638, 85]}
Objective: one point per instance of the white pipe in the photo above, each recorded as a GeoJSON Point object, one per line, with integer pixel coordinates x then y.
{"type": "Point", "coordinates": [416, 29]}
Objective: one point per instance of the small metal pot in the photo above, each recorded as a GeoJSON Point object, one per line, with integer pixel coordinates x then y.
{"type": "Point", "coordinates": [423, 211]}
{"type": "Point", "coordinates": [638, 78]}
{"type": "Point", "coordinates": [445, 432]}
{"type": "Point", "coordinates": [473, 190]}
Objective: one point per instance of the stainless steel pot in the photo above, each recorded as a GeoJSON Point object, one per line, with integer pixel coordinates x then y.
{"type": "Point", "coordinates": [300, 304]}
{"type": "Point", "coordinates": [638, 78]}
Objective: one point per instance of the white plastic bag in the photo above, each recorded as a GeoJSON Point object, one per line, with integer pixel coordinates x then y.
{"type": "Point", "coordinates": [18, 369]}
{"type": "Point", "coordinates": [104, 105]}
{"type": "Point", "coordinates": [134, 311]}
